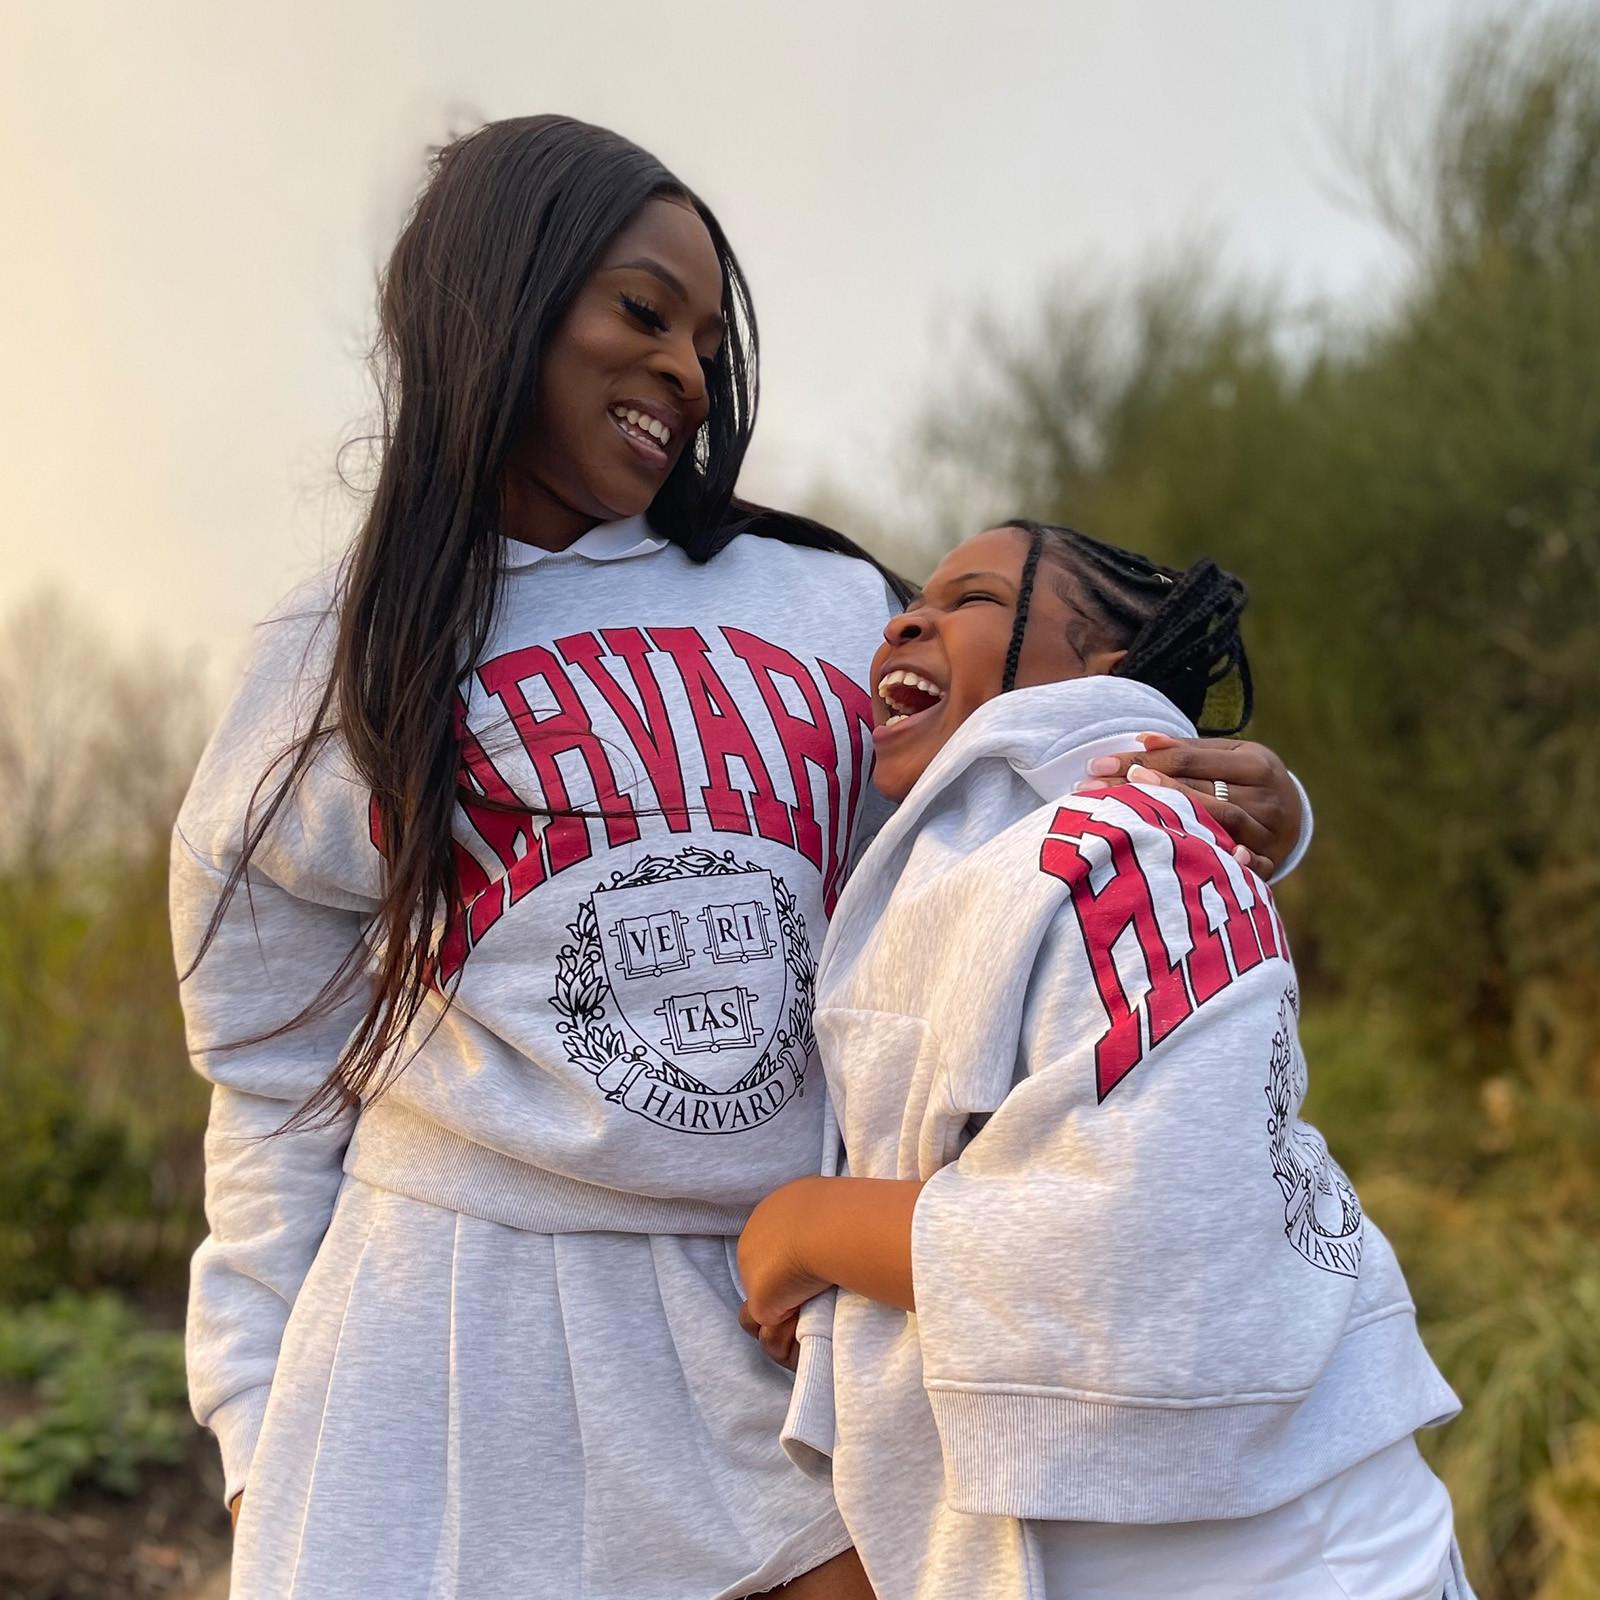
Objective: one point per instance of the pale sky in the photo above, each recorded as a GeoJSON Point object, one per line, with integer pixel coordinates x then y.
{"type": "Point", "coordinates": [197, 197]}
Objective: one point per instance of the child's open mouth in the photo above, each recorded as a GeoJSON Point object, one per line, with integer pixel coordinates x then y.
{"type": "Point", "coordinates": [907, 697]}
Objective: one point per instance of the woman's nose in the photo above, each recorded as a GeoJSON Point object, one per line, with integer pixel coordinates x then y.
{"type": "Point", "coordinates": [680, 365]}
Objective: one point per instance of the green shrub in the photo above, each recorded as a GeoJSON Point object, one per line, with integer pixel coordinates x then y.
{"type": "Point", "coordinates": [101, 1395]}
{"type": "Point", "coordinates": [1567, 1504]}
{"type": "Point", "coordinates": [64, 1171]}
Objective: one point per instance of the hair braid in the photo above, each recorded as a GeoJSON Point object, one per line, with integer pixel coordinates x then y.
{"type": "Point", "coordinates": [1191, 649]}
{"type": "Point", "coordinates": [1180, 630]}
{"type": "Point", "coordinates": [1019, 626]}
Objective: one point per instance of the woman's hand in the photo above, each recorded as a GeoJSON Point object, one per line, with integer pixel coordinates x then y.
{"type": "Point", "coordinates": [1262, 811]}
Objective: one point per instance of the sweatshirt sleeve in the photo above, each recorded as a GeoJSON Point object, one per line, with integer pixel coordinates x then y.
{"type": "Point", "coordinates": [808, 1430]}
{"type": "Point", "coordinates": [1307, 828]}
{"type": "Point", "coordinates": [268, 1198]}
{"type": "Point", "coordinates": [1116, 1325]}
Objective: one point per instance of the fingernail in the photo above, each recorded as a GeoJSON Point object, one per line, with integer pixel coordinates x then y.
{"type": "Point", "coordinates": [1088, 786]}
{"type": "Point", "coordinates": [1145, 775]}
{"type": "Point", "coordinates": [1241, 855]}
{"type": "Point", "coordinates": [1144, 738]}
{"type": "Point", "coordinates": [1104, 766]}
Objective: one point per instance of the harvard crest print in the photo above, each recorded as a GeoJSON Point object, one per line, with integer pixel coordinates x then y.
{"type": "Point", "coordinates": [687, 990]}
{"type": "Point", "coordinates": [1321, 1214]}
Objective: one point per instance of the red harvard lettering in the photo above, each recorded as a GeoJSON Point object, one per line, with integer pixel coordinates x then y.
{"type": "Point", "coordinates": [505, 824]}
{"type": "Point", "coordinates": [723, 737]}
{"type": "Point", "coordinates": [565, 731]}
{"type": "Point", "coordinates": [527, 854]}
{"type": "Point", "coordinates": [1123, 902]}
{"type": "Point", "coordinates": [857, 706]}
{"type": "Point", "coordinates": [652, 733]}
{"type": "Point", "coordinates": [1127, 900]}
{"type": "Point", "coordinates": [804, 740]}
{"type": "Point", "coordinates": [1198, 864]}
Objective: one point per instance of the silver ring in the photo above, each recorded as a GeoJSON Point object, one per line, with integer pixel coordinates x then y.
{"type": "Point", "coordinates": [1220, 787]}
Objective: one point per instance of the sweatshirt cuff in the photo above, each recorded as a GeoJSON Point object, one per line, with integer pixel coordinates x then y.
{"type": "Point", "coordinates": [808, 1430]}
{"type": "Point", "coordinates": [237, 1425]}
{"type": "Point", "coordinates": [1303, 843]}
{"type": "Point", "coordinates": [1041, 1453]}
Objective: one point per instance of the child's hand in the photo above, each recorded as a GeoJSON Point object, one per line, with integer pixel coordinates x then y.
{"type": "Point", "coordinates": [780, 1343]}
{"type": "Point", "coordinates": [773, 1256]}
{"type": "Point", "coordinates": [817, 1232]}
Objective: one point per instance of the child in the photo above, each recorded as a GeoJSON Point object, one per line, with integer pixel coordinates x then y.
{"type": "Point", "coordinates": [1155, 1348]}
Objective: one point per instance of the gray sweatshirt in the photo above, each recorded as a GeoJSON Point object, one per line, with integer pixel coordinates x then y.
{"type": "Point", "coordinates": [630, 1048]}
{"type": "Point", "coordinates": [1145, 1290]}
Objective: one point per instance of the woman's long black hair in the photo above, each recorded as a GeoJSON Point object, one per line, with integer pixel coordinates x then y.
{"type": "Point", "coordinates": [512, 221]}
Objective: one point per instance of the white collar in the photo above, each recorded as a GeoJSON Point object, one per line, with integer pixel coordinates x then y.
{"type": "Point", "coordinates": [610, 541]}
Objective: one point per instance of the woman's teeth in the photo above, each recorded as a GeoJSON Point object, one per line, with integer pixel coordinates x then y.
{"type": "Point", "coordinates": [906, 694]}
{"type": "Point", "coordinates": [642, 422]}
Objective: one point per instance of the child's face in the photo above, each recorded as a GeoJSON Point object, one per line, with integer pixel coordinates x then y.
{"type": "Point", "coordinates": [946, 653]}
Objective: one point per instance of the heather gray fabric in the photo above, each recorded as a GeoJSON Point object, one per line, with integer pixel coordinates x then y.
{"type": "Point", "coordinates": [465, 1410]}
{"type": "Point", "coordinates": [1146, 1294]}
{"type": "Point", "coordinates": [628, 1066]}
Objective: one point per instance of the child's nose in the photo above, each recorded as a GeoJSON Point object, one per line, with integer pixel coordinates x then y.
{"type": "Point", "coordinates": [904, 628]}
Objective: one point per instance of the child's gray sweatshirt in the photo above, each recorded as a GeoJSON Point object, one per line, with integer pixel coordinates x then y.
{"type": "Point", "coordinates": [1145, 1290]}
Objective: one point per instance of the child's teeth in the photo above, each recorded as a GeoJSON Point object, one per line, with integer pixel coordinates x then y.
{"type": "Point", "coordinates": [912, 680]}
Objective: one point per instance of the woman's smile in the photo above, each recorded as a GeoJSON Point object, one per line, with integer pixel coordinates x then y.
{"type": "Point", "coordinates": [637, 351]}
{"type": "Point", "coordinates": [648, 426]}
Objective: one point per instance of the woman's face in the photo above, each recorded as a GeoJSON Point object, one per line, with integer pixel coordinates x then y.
{"type": "Point", "coordinates": [946, 653]}
{"type": "Point", "coordinates": [622, 383]}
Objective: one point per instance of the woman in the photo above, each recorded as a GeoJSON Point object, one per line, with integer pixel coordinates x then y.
{"type": "Point", "coordinates": [1157, 1349]}
{"type": "Point", "coordinates": [500, 890]}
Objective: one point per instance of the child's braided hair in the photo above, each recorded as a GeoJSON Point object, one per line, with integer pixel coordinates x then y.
{"type": "Point", "coordinates": [1180, 629]}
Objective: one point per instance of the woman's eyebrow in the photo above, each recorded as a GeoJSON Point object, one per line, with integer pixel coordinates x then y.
{"type": "Point", "coordinates": [670, 279]}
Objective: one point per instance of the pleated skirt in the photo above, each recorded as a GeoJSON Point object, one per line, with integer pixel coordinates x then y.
{"type": "Point", "coordinates": [464, 1411]}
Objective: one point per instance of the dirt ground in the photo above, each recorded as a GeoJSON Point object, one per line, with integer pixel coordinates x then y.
{"type": "Point", "coordinates": [214, 1588]}
{"type": "Point", "coordinates": [171, 1543]}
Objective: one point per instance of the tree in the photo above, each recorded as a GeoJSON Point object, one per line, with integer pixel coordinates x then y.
{"type": "Point", "coordinates": [1415, 502]}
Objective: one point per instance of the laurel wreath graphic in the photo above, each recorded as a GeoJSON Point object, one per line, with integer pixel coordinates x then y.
{"type": "Point", "coordinates": [581, 985]}
{"type": "Point", "coordinates": [1301, 1162]}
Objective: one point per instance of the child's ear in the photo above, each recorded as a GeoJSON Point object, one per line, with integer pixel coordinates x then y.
{"type": "Point", "coordinates": [1102, 663]}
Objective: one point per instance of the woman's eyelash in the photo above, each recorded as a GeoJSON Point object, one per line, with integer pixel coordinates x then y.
{"type": "Point", "coordinates": [647, 316]}
{"type": "Point", "coordinates": [977, 594]}
{"type": "Point", "coordinates": [645, 313]}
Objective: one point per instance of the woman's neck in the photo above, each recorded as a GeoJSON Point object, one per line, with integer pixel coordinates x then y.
{"type": "Point", "coordinates": [531, 514]}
